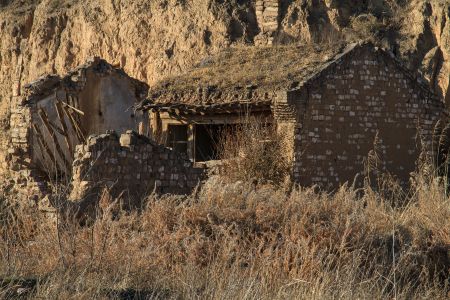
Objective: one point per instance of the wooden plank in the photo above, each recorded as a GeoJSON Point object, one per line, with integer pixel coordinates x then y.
{"type": "Point", "coordinates": [79, 133]}
{"type": "Point", "coordinates": [44, 119]}
{"type": "Point", "coordinates": [42, 143]}
{"type": "Point", "coordinates": [71, 106]}
{"type": "Point", "coordinates": [60, 112]}
{"type": "Point", "coordinates": [57, 128]}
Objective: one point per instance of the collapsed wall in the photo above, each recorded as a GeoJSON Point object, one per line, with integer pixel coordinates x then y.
{"type": "Point", "coordinates": [131, 165]}
{"type": "Point", "coordinates": [51, 115]}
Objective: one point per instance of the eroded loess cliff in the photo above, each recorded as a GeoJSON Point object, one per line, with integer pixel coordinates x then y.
{"type": "Point", "coordinates": [153, 39]}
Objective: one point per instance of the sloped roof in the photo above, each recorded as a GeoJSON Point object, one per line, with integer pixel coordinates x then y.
{"type": "Point", "coordinates": [74, 80]}
{"type": "Point", "coordinates": [245, 74]}
{"type": "Point", "coordinates": [255, 74]}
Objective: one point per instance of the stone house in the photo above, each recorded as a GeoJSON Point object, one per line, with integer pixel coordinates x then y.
{"type": "Point", "coordinates": [332, 104]}
{"type": "Point", "coordinates": [53, 114]}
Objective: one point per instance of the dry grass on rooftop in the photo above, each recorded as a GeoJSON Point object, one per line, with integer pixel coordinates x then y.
{"type": "Point", "coordinates": [267, 67]}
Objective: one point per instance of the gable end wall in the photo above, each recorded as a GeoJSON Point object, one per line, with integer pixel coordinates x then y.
{"type": "Point", "coordinates": [363, 94]}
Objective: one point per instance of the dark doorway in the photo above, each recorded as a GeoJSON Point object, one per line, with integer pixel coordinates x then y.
{"type": "Point", "coordinates": [207, 140]}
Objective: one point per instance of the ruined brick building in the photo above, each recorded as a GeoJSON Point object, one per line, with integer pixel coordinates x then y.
{"type": "Point", "coordinates": [330, 103]}
{"type": "Point", "coordinates": [54, 116]}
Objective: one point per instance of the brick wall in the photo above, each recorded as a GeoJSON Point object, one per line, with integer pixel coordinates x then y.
{"type": "Point", "coordinates": [340, 112]}
{"type": "Point", "coordinates": [132, 164]}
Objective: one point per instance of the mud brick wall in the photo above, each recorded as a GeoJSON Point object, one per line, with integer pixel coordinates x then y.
{"type": "Point", "coordinates": [132, 164]}
{"type": "Point", "coordinates": [340, 112]}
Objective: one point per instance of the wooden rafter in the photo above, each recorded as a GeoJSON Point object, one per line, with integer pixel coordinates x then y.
{"type": "Point", "coordinates": [219, 108]}
{"type": "Point", "coordinates": [72, 107]}
{"type": "Point", "coordinates": [60, 113]}
{"type": "Point", "coordinates": [45, 121]}
{"type": "Point", "coordinates": [42, 143]}
{"type": "Point", "coordinates": [75, 125]}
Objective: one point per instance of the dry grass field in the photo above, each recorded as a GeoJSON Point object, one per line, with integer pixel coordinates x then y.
{"type": "Point", "coordinates": [238, 241]}
{"type": "Point", "coordinates": [240, 238]}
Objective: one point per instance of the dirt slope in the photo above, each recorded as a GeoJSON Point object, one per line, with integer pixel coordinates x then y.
{"type": "Point", "coordinates": [153, 39]}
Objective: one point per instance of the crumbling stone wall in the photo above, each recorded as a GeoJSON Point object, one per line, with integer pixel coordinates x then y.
{"type": "Point", "coordinates": [132, 164]}
{"type": "Point", "coordinates": [340, 112]}
{"type": "Point", "coordinates": [54, 113]}
{"type": "Point", "coordinates": [29, 182]}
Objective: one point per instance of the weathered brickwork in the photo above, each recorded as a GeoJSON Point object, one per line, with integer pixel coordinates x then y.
{"type": "Point", "coordinates": [341, 111]}
{"type": "Point", "coordinates": [28, 180]}
{"type": "Point", "coordinates": [132, 164]}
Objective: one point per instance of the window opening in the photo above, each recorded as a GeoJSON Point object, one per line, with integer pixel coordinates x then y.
{"type": "Point", "coordinates": [178, 138]}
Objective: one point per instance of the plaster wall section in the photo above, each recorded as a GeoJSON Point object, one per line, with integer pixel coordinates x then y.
{"type": "Point", "coordinates": [107, 103]}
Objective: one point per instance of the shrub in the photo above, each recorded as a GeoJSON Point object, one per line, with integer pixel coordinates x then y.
{"type": "Point", "coordinates": [255, 151]}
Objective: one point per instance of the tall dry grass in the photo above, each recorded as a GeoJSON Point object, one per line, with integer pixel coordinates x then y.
{"type": "Point", "coordinates": [243, 235]}
{"type": "Point", "coordinates": [236, 241]}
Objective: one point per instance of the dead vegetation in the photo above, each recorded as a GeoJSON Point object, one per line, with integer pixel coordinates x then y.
{"type": "Point", "coordinates": [238, 241]}
{"type": "Point", "coordinates": [242, 66]}
{"type": "Point", "coordinates": [237, 238]}
{"type": "Point", "coordinates": [256, 152]}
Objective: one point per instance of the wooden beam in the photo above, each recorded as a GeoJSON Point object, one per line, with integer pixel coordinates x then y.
{"type": "Point", "coordinates": [71, 99]}
{"type": "Point", "coordinates": [60, 112]}
{"type": "Point", "coordinates": [156, 125]}
{"type": "Point", "coordinates": [75, 126]}
{"type": "Point", "coordinates": [44, 119]}
{"type": "Point", "coordinates": [76, 105]}
{"type": "Point", "coordinates": [43, 145]}
{"type": "Point", "coordinates": [191, 142]}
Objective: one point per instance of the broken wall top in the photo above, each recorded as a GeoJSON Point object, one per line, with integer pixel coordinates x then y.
{"type": "Point", "coordinates": [74, 81]}
{"type": "Point", "coordinates": [259, 73]}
